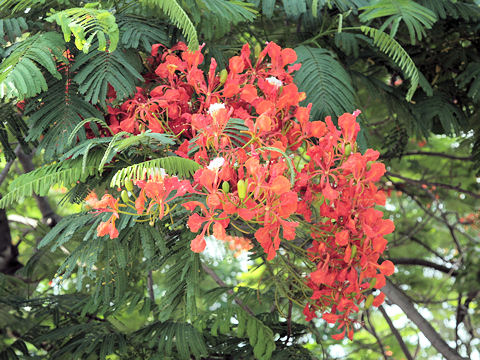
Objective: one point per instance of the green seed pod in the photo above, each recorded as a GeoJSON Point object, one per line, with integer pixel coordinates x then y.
{"type": "Point", "coordinates": [369, 301]}
{"type": "Point", "coordinates": [226, 187]}
{"type": "Point", "coordinates": [242, 189]}
{"type": "Point", "coordinates": [257, 49]}
{"type": "Point", "coordinates": [354, 251]}
{"type": "Point", "coordinates": [372, 283]}
{"type": "Point", "coordinates": [129, 185]}
{"type": "Point", "coordinates": [348, 149]}
{"type": "Point", "coordinates": [223, 76]}
{"type": "Point", "coordinates": [124, 196]}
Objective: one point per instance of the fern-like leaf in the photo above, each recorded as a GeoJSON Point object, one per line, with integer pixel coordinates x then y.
{"type": "Point", "coordinates": [86, 24]}
{"type": "Point", "coordinates": [173, 165]}
{"type": "Point", "coordinates": [294, 8]}
{"type": "Point", "coordinates": [326, 83]}
{"type": "Point", "coordinates": [471, 77]}
{"type": "Point", "coordinates": [42, 179]}
{"type": "Point", "coordinates": [178, 17]}
{"type": "Point", "coordinates": [135, 31]}
{"type": "Point", "coordinates": [439, 108]}
{"type": "Point", "coordinates": [20, 74]}
{"type": "Point", "coordinates": [54, 114]}
{"type": "Point", "coordinates": [397, 54]}
{"type": "Point", "coordinates": [416, 17]}
{"type": "Point", "coordinates": [188, 340]}
{"type": "Point", "coordinates": [454, 9]}
{"type": "Point", "coordinates": [231, 11]}
{"type": "Point", "coordinates": [260, 336]}
{"type": "Point", "coordinates": [10, 29]}
{"type": "Point", "coordinates": [98, 69]}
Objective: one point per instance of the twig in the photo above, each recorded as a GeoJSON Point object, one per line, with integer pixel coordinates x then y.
{"type": "Point", "coordinates": [150, 286]}
{"type": "Point", "coordinates": [374, 333]}
{"type": "Point", "coordinates": [396, 333]}
{"type": "Point", "coordinates": [49, 216]}
{"type": "Point", "coordinates": [398, 297]}
{"type": "Point", "coordinates": [426, 263]}
{"type": "Point", "coordinates": [8, 165]}
{"type": "Point", "coordinates": [422, 182]}
{"type": "Point", "coordinates": [430, 153]}
{"type": "Point", "coordinates": [437, 154]}
{"type": "Point", "coordinates": [220, 282]}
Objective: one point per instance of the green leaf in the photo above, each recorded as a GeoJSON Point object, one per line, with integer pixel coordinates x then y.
{"type": "Point", "coordinates": [416, 17]}
{"type": "Point", "coordinates": [97, 70]}
{"type": "Point", "coordinates": [471, 76]}
{"type": "Point", "coordinates": [178, 17]}
{"type": "Point", "coordinates": [85, 24]}
{"type": "Point", "coordinates": [10, 29]}
{"type": "Point", "coordinates": [231, 11]}
{"type": "Point", "coordinates": [21, 73]}
{"type": "Point", "coordinates": [173, 165]}
{"type": "Point", "coordinates": [56, 117]}
{"type": "Point", "coordinates": [398, 55]}
{"type": "Point", "coordinates": [40, 180]}
{"type": "Point", "coordinates": [326, 83]}
{"type": "Point", "coordinates": [136, 31]}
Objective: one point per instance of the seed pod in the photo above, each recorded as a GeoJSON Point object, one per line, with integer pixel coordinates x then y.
{"type": "Point", "coordinates": [242, 189]}
{"type": "Point", "coordinates": [372, 283]}
{"type": "Point", "coordinates": [223, 76]}
{"type": "Point", "coordinates": [129, 185]}
{"type": "Point", "coordinates": [369, 301]}
{"type": "Point", "coordinates": [124, 196]}
{"type": "Point", "coordinates": [226, 187]}
{"type": "Point", "coordinates": [354, 251]}
{"type": "Point", "coordinates": [257, 49]}
{"type": "Point", "coordinates": [348, 149]}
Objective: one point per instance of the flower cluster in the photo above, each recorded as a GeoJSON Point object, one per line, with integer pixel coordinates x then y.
{"type": "Point", "coordinates": [266, 171]}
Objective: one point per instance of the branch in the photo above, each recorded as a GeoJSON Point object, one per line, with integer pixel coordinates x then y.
{"type": "Point", "coordinates": [421, 182]}
{"type": "Point", "coordinates": [151, 294]}
{"type": "Point", "coordinates": [422, 262]}
{"type": "Point", "coordinates": [396, 333]}
{"type": "Point", "coordinates": [374, 333]}
{"type": "Point", "coordinates": [49, 216]}
{"type": "Point", "coordinates": [220, 282]}
{"type": "Point", "coordinates": [399, 298]}
{"type": "Point", "coordinates": [431, 153]}
{"type": "Point", "coordinates": [8, 165]}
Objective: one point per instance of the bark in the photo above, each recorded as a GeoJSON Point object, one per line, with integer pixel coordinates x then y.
{"type": "Point", "coordinates": [9, 263]}
{"type": "Point", "coordinates": [398, 297]}
{"type": "Point", "coordinates": [48, 215]}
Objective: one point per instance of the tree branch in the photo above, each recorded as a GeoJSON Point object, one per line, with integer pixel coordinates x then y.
{"type": "Point", "coordinates": [8, 165]}
{"type": "Point", "coordinates": [374, 333]}
{"type": "Point", "coordinates": [49, 216]}
{"type": "Point", "coordinates": [426, 263]}
{"type": "Point", "coordinates": [437, 154]}
{"type": "Point", "coordinates": [396, 333]}
{"type": "Point", "coordinates": [151, 294]}
{"type": "Point", "coordinates": [422, 182]}
{"type": "Point", "coordinates": [399, 298]}
{"type": "Point", "coordinates": [220, 282]}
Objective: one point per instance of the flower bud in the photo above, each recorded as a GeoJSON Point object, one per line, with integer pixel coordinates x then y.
{"type": "Point", "coordinates": [354, 251]}
{"type": "Point", "coordinates": [129, 185]}
{"type": "Point", "coordinates": [226, 187]}
{"type": "Point", "coordinates": [348, 149]}
{"type": "Point", "coordinates": [242, 189]}
{"type": "Point", "coordinates": [369, 301]}
{"type": "Point", "coordinates": [124, 196]}
{"type": "Point", "coordinates": [223, 76]}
